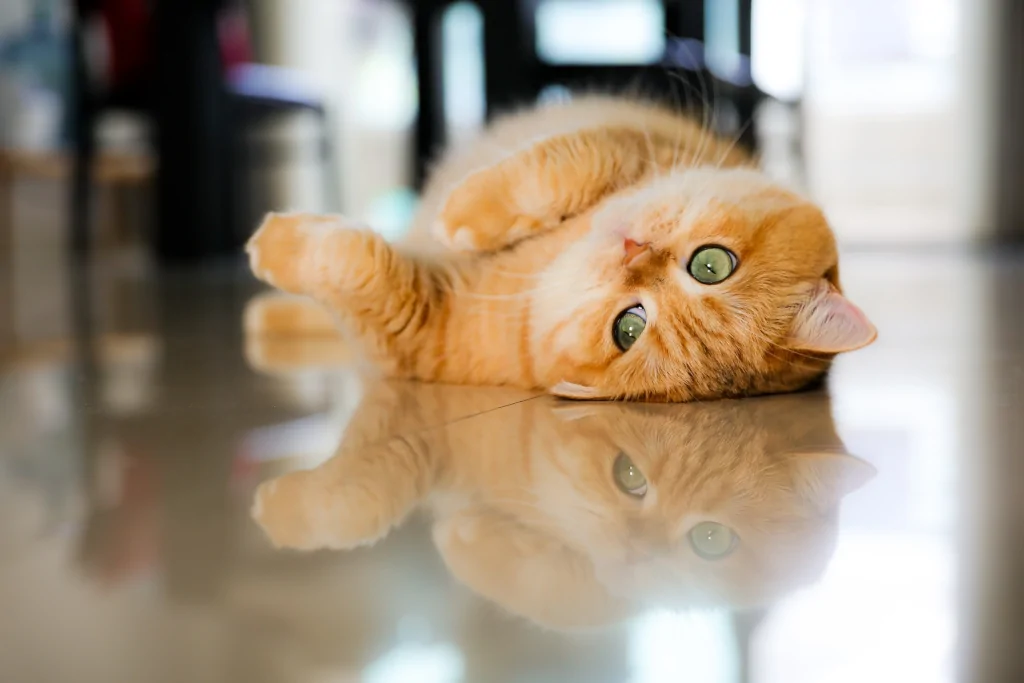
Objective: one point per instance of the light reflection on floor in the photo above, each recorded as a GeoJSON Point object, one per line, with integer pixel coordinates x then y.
{"type": "Point", "coordinates": [126, 551]}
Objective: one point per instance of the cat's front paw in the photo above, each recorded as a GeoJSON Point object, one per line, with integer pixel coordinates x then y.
{"type": "Point", "coordinates": [283, 249]}
{"type": "Point", "coordinates": [480, 215]}
{"type": "Point", "coordinates": [308, 510]}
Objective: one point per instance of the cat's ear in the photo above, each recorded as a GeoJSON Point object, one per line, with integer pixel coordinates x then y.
{"type": "Point", "coordinates": [825, 478]}
{"type": "Point", "coordinates": [573, 390]}
{"type": "Point", "coordinates": [828, 322]}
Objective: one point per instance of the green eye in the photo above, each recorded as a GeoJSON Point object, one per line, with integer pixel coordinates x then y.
{"type": "Point", "coordinates": [711, 265]}
{"type": "Point", "coordinates": [628, 476]}
{"type": "Point", "coordinates": [712, 541]}
{"type": "Point", "coordinates": [629, 326]}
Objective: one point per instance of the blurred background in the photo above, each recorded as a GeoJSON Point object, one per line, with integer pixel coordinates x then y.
{"type": "Point", "coordinates": [171, 126]}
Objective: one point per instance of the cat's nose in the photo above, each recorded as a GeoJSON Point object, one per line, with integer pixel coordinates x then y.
{"type": "Point", "coordinates": [634, 251]}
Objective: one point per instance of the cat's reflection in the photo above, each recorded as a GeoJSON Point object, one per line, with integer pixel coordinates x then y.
{"type": "Point", "coordinates": [578, 514]}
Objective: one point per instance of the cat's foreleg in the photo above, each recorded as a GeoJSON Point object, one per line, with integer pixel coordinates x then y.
{"type": "Point", "coordinates": [381, 295]}
{"type": "Point", "coordinates": [353, 499]}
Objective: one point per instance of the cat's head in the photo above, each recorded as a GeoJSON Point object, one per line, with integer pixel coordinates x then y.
{"type": "Point", "coordinates": [731, 501]}
{"type": "Point", "coordinates": [637, 505]}
{"type": "Point", "coordinates": [699, 284]}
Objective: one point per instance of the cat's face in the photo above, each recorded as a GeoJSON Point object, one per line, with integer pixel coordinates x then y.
{"type": "Point", "coordinates": [710, 507]}
{"type": "Point", "coordinates": [703, 283]}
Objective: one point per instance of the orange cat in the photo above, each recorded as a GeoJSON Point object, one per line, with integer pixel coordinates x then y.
{"type": "Point", "coordinates": [600, 249]}
{"type": "Point", "coordinates": [580, 515]}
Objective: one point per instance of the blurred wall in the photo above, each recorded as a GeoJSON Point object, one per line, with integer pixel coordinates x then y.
{"type": "Point", "coordinates": [898, 107]}
{"type": "Point", "coordinates": [360, 55]}
{"type": "Point", "coordinates": [899, 113]}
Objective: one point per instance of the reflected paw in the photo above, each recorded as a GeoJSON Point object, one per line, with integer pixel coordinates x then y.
{"type": "Point", "coordinates": [287, 513]}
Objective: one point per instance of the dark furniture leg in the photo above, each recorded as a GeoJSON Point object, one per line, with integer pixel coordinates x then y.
{"type": "Point", "coordinates": [192, 113]}
{"type": "Point", "coordinates": [83, 132]}
{"type": "Point", "coordinates": [509, 55]}
{"type": "Point", "coordinates": [430, 128]}
{"type": "Point", "coordinates": [1009, 201]}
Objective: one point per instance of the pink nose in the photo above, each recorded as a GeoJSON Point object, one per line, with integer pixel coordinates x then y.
{"type": "Point", "coordinates": [634, 250]}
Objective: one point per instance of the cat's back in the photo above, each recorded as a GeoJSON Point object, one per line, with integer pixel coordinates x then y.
{"type": "Point", "coordinates": [520, 129]}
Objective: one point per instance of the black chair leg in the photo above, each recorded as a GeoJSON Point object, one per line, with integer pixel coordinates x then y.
{"type": "Point", "coordinates": [430, 123]}
{"type": "Point", "coordinates": [508, 38]}
{"type": "Point", "coordinates": [84, 148]}
{"type": "Point", "coordinates": [194, 129]}
{"type": "Point", "coordinates": [81, 191]}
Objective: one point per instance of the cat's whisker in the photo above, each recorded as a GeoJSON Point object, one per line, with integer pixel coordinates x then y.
{"type": "Point", "coordinates": [732, 145]}
{"type": "Point", "coordinates": [651, 158]}
{"type": "Point", "coordinates": [702, 93]}
{"type": "Point", "coordinates": [541, 522]}
{"type": "Point", "coordinates": [705, 104]}
{"type": "Point", "coordinates": [702, 144]}
{"type": "Point", "coordinates": [524, 294]}
{"type": "Point", "coordinates": [705, 108]}
{"type": "Point", "coordinates": [706, 112]}
{"type": "Point", "coordinates": [516, 274]}
{"type": "Point", "coordinates": [772, 344]}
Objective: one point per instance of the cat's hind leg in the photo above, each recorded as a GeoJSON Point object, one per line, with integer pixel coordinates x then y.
{"type": "Point", "coordinates": [539, 187]}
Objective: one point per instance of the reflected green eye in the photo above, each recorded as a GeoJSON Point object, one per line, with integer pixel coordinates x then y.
{"type": "Point", "coordinates": [629, 326]}
{"type": "Point", "coordinates": [712, 541]}
{"type": "Point", "coordinates": [628, 476]}
{"type": "Point", "coordinates": [711, 265]}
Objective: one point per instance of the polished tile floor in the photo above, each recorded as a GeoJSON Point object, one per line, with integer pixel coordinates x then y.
{"type": "Point", "coordinates": [412, 533]}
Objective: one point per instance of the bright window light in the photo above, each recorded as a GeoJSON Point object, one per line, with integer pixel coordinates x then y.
{"type": "Point", "coordinates": [695, 646]}
{"type": "Point", "coordinates": [462, 30]}
{"type": "Point", "coordinates": [777, 47]}
{"type": "Point", "coordinates": [600, 31]}
{"type": "Point", "coordinates": [436, 663]}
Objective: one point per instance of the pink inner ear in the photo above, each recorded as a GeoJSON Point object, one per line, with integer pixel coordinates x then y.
{"type": "Point", "coordinates": [829, 323]}
{"type": "Point", "coordinates": [824, 478]}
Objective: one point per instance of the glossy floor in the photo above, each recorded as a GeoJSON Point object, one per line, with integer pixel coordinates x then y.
{"type": "Point", "coordinates": [869, 532]}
